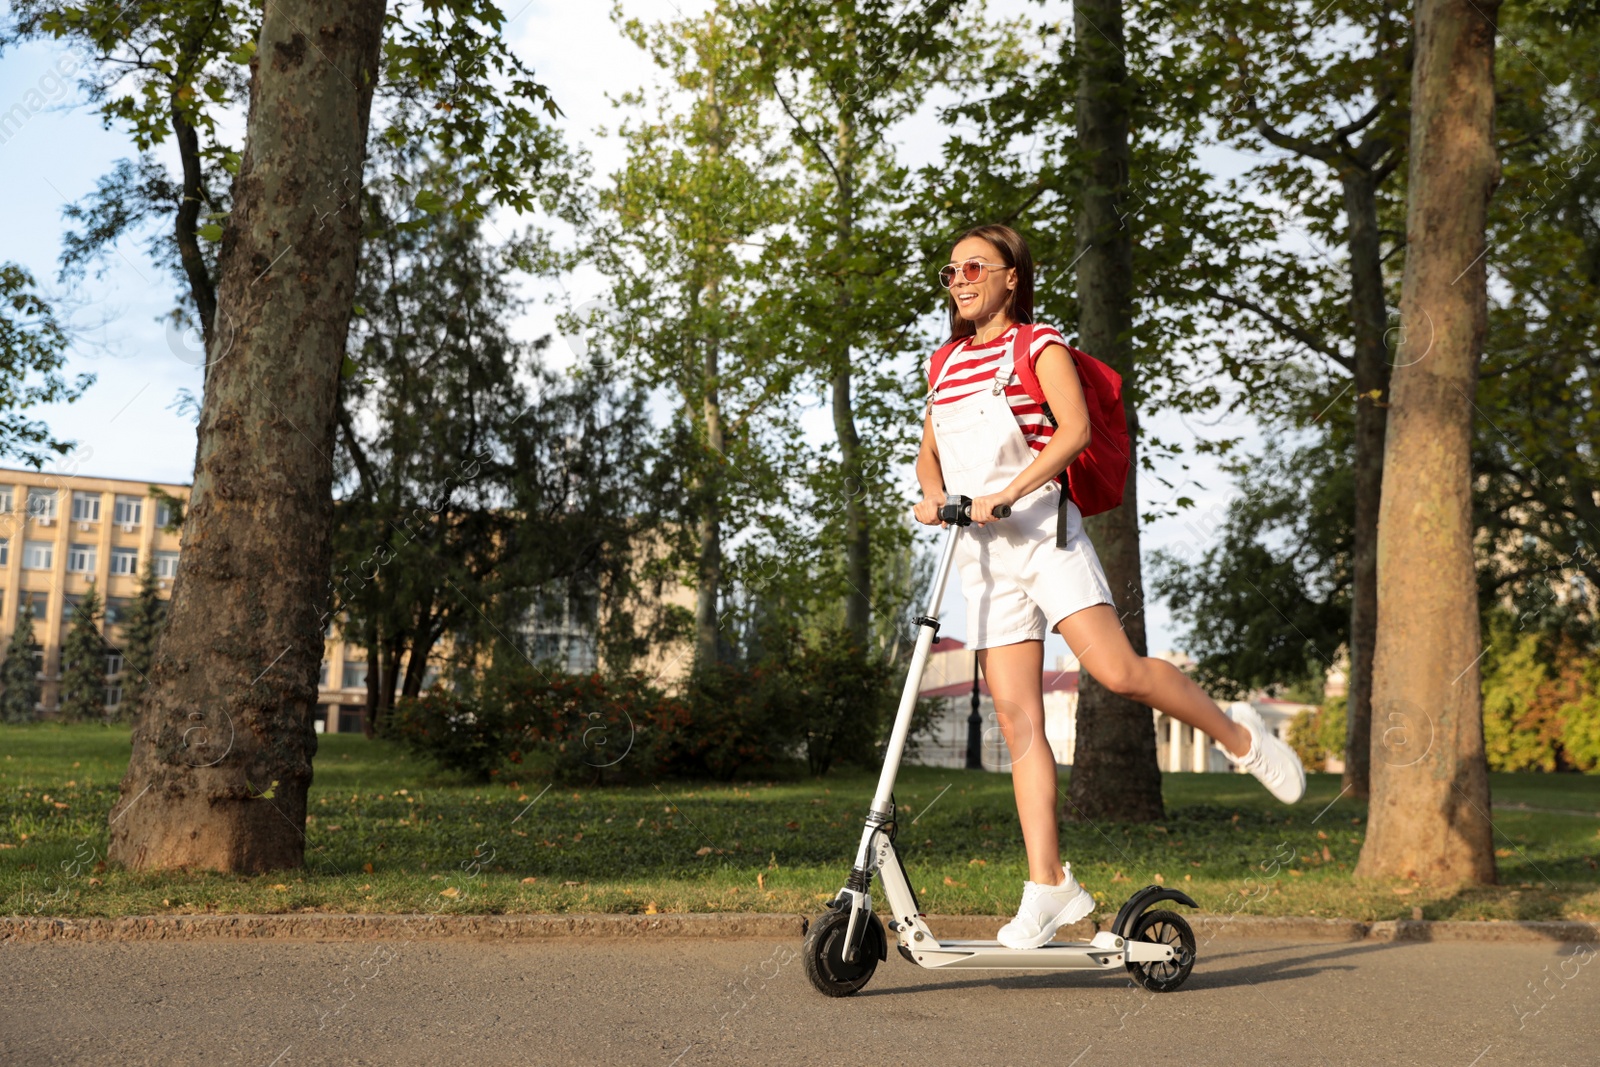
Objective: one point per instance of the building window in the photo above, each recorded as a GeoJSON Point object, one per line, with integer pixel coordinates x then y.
{"type": "Point", "coordinates": [124, 561]}
{"type": "Point", "coordinates": [39, 600]}
{"type": "Point", "coordinates": [430, 676]}
{"type": "Point", "coordinates": [128, 510]}
{"type": "Point", "coordinates": [42, 503]}
{"type": "Point", "coordinates": [163, 514]}
{"type": "Point", "coordinates": [113, 695]}
{"type": "Point", "coordinates": [5, 551]}
{"type": "Point", "coordinates": [38, 555]}
{"type": "Point", "coordinates": [322, 675]}
{"type": "Point", "coordinates": [38, 661]}
{"type": "Point", "coordinates": [5, 499]}
{"type": "Point", "coordinates": [166, 564]}
{"type": "Point", "coordinates": [81, 559]}
{"type": "Point", "coordinates": [114, 663]}
{"type": "Point", "coordinates": [355, 675]}
{"type": "Point", "coordinates": [85, 507]}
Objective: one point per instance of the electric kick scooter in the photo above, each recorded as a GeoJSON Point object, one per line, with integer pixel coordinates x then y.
{"type": "Point", "coordinates": [843, 946]}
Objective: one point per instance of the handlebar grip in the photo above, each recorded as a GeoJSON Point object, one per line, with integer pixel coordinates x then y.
{"type": "Point", "coordinates": [959, 512]}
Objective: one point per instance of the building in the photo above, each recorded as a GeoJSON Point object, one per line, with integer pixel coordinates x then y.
{"type": "Point", "coordinates": [62, 533]}
{"type": "Point", "coordinates": [949, 678]}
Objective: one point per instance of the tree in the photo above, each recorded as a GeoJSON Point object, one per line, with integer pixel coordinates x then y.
{"type": "Point", "coordinates": [1429, 815]}
{"type": "Point", "coordinates": [83, 663]}
{"type": "Point", "coordinates": [32, 341]}
{"type": "Point", "coordinates": [1114, 771]}
{"type": "Point", "coordinates": [844, 76]}
{"type": "Point", "coordinates": [688, 233]}
{"type": "Point", "coordinates": [471, 475]}
{"type": "Point", "coordinates": [19, 675]}
{"type": "Point", "coordinates": [1086, 141]}
{"type": "Point", "coordinates": [1297, 97]}
{"type": "Point", "coordinates": [222, 750]}
{"type": "Point", "coordinates": [140, 627]}
{"type": "Point", "coordinates": [177, 67]}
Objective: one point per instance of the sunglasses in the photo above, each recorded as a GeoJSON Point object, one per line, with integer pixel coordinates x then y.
{"type": "Point", "coordinates": [973, 270]}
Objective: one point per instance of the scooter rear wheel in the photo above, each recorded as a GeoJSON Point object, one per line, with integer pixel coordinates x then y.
{"type": "Point", "coordinates": [829, 971]}
{"type": "Point", "coordinates": [1163, 927]}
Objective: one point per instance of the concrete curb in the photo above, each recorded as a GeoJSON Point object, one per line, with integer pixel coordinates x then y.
{"type": "Point", "coordinates": [329, 927]}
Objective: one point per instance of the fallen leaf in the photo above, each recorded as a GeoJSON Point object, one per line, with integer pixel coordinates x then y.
{"type": "Point", "coordinates": [651, 909]}
{"type": "Point", "coordinates": [791, 825]}
{"type": "Point", "coordinates": [571, 883]}
{"type": "Point", "coordinates": [363, 888]}
{"type": "Point", "coordinates": [1502, 852]}
{"type": "Point", "coordinates": [951, 881]}
{"type": "Point", "coordinates": [761, 880]}
{"type": "Point", "coordinates": [1295, 872]}
{"type": "Point", "coordinates": [532, 878]}
{"type": "Point", "coordinates": [452, 892]}
{"type": "Point", "coordinates": [94, 881]}
{"type": "Point", "coordinates": [977, 863]}
{"type": "Point", "coordinates": [703, 850]}
{"type": "Point", "coordinates": [367, 867]}
{"type": "Point", "coordinates": [1321, 836]}
{"type": "Point", "coordinates": [1119, 877]}
{"type": "Point", "coordinates": [280, 887]}
{"type": "Point", "coordinates": [1160, 880]}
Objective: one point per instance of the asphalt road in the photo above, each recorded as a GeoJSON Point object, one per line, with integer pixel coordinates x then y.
{"type": "Point", "coordinates": [678, 1002]}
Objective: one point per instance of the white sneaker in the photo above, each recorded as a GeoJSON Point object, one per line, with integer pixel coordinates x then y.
{"type": "Point", "coordinates": [1045, 909]}
{"type": "Point", "coordinates": [1273, 763]}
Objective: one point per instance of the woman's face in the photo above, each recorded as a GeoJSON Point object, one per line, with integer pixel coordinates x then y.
{"type": "Point", "coordinates": [979, 301]}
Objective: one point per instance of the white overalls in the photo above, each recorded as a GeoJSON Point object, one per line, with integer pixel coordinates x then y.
{"type": "Point", "coordinates": [1017, 582]}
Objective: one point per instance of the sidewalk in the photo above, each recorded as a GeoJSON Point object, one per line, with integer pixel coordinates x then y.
{"type": "Point", "coordinates": [330, 927]}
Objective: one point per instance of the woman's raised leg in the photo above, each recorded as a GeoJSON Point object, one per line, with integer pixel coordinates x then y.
{"type": "Point", "coordinates": [1096, 637]}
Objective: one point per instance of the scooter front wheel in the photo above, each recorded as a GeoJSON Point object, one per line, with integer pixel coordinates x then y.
{"type": "Point", "coordinates": [829, 971]}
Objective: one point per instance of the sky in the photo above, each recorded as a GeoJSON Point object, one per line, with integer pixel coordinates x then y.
{"type": "Point", "coordinates": [126, 425]}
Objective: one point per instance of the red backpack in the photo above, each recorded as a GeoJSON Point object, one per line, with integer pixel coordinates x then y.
{"type": "Point", "coordinates": [1097, 477]}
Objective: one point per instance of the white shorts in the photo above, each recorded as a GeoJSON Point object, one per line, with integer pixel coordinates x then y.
{"type": "Point", "coordinates": [1018, 584]}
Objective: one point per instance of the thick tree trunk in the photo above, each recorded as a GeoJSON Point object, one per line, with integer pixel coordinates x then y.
{"type": "Point", "coordinates": [1429, 815]}
{"type": "Point", "coordinates": [1114, 771]}
{"type": "Point", "coordinates": [1369, 319]}
{"type": "Point", "coordinates": [227, 719]}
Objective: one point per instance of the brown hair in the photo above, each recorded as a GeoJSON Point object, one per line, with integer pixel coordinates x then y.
{"type": "Point", "coordinates": [1013, 253]}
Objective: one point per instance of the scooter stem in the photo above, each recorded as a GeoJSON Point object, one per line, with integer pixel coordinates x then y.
{"type": "Point", "coordinates": [928, 629]}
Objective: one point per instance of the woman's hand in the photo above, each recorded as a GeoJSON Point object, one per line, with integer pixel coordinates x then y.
{"type": "Point", "coordinates": [983, 506]}
{"type": "Point", "coordinates": [927, 511]}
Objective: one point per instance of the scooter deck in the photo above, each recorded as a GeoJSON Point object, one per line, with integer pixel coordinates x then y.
{"type": "Point", "coordinates": [1106, 952]}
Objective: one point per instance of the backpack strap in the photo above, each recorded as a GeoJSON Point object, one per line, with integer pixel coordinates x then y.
{"type": "Point", "coordinates": [1027, 374]}
{"type": "Point", "coordinates": [936, 366]}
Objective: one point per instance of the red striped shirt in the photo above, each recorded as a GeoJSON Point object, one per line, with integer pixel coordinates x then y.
{"type": "Point", "coordinates": [972, 367]}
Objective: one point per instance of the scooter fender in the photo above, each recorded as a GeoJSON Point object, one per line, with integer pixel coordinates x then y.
{"type": "Point", "coordinates": [1141, 902]}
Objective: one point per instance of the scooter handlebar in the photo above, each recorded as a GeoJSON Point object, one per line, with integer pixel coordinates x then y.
{"type": "Point", "coordinates": [960, 512]}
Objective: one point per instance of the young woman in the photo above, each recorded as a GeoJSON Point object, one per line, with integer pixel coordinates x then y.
{"type": "Point", "coordinates": [1000, 449]}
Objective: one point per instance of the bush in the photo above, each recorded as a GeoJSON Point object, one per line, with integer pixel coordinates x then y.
{"type": "Point", "coordinates": [1316, 735]}
{"type": "Point", "coordinates": [577, 728]}
{"type": "Point", "coordinates": [822, 699]}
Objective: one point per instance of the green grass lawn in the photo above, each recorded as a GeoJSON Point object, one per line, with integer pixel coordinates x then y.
{"type": "Point", "coordinates": [388, 833]}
